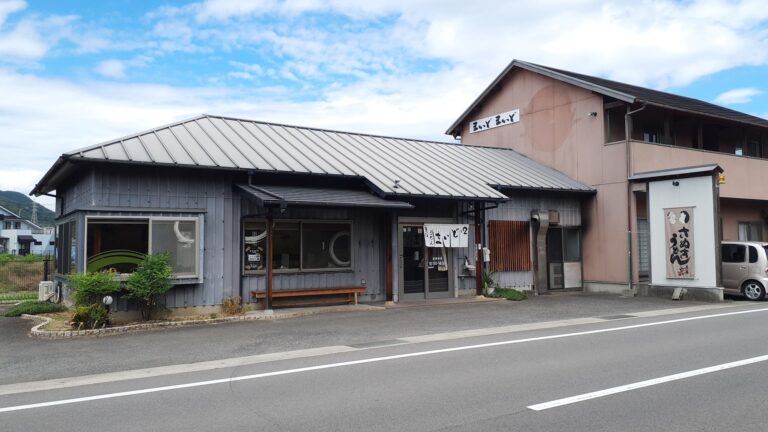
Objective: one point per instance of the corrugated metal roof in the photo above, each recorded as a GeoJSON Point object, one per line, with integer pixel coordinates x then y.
{"type": "Point", "coordinates": [392, 166]}
{"type": "Point", "coordinates": [311, 196]}
{"type": "Point", "coordinates": [621, 91]}
{"type": "Point", "coordinates": [677, 172]}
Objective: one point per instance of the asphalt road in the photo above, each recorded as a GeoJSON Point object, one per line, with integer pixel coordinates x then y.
{"type": "Point", "coordinates": [702, 371]}
{"type": "Point", "coordinates": [25, 359]}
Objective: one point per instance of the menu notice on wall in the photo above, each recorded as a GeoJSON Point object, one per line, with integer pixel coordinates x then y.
{"type": "Point", "coordinates": [494, 121]}
{"type": "Point", "coordinates": [446, 235]}
{"type": "Point", "coordinates": [678, 227]}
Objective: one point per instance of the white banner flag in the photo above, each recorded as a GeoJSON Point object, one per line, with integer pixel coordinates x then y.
{"type": "Point", "coordinates": [446, 235]}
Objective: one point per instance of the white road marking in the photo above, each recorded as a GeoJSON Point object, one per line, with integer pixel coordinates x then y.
{"type": "Point", "coordinates": [364, 361]}
{"type": "Point", "coordinates": [647, 383]}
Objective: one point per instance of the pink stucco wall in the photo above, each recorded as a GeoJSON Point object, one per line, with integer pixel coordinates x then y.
{"type": "Point", "coordinates": [556, 129]}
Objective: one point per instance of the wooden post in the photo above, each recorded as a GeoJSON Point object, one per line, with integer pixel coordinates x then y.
{"type": "Point", "coordinates": [270, 241]}
{"type": "Point", "coordinates": [479, 253]}
{"type": "Point", "coordinates": [388, 253]}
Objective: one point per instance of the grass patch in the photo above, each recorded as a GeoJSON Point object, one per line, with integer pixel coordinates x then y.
{"type": "Point", "coordinates": [20, 274]}
{"type": "Point", "coordinates": [18, 296]}
{"type": "Point", "coordinates": [509, 294]}
{"type": "Point", "coordinates": [33, 308]}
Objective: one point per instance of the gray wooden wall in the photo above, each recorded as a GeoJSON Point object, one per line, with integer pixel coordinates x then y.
{"type": "Point", "coordinates": [518, 208]}
{"type": "Point", "coordinates": [122, 191]}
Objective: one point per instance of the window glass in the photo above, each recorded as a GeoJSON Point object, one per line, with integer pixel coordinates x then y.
{"type": "Point", "coordinates": [732, 253]}
{"type": "Point", "coordinates": [177, 238]}
{"type": "Point", "coordinates": [555, 245]}
{"type": "Point", "coordinates": [120, 245]}
{"type": "Point", "coordinates": [750, 231]}
{"type": "Point", "coordinates": [752, 254]}
{"type": "Point", "coordinates": [326, 245]}
{"type": "Point", "coordinates": [66, 247]}
{"type": "Point", "coordinates": [286, 251]}
{"type": "Point", "coordinates": [572, 242]}
{"type": "Point", "coordinates": [116, 245]}
{"type": "Point", "coordinates": [72, 246]}
{"type": "Point", "coordinates": [254, 246]}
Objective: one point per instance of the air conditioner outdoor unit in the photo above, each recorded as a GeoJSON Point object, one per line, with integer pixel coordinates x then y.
{"type": "Point", "coordinates": [45, 290]}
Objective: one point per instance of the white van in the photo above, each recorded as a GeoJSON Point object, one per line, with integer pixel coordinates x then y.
{"type": "Point", "coordinates": [745, 268]}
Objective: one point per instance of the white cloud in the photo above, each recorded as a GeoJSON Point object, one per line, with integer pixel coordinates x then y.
{"type": "Point", "coordinates": [662, 44]}
{"type": "Point", "coordinates": [8, 7]}
{"type": "Point", "coordinates": [111, 69]}
{"type": "Point", "coordinates": [117, 69]}
{"type": "Point", "coordinates": [737, 96]}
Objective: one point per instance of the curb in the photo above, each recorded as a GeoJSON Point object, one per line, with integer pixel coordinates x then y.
{"type": "Point", "coordinates": [38, 332]}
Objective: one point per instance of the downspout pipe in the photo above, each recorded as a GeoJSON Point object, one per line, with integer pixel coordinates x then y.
{"type": "Point", "coordinates": [627, 136]}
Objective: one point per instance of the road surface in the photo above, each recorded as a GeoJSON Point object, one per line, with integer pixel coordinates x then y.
{"type": "Point", "coordinates": [702, 371]}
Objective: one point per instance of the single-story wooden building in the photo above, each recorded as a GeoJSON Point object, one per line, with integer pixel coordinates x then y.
{"type": "Point", "coordinates": [399, 218]}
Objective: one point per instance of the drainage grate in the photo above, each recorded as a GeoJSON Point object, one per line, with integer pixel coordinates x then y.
{"type": "Point", "coordinates": [617, 317]}
{"type": "Point", "coordinates": [380, 343]}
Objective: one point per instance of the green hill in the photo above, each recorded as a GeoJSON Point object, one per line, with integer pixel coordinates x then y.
{"type": "Point", "coordinates": [22, 205]}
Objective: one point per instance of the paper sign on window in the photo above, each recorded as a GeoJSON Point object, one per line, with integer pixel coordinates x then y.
{"type": "Point", "coordinates": [446, 235]}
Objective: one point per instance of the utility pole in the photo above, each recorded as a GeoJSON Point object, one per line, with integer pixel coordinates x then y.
{"type": "Point", "coordinates": [34, 212]}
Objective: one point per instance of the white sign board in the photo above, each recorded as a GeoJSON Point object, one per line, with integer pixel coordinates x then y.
{"type": "Point", "coordinates": [681, 258]}
{"type": "Point", "coordinates": [494, 121]}
{"type": "Point", "coordinates": [446, 235]}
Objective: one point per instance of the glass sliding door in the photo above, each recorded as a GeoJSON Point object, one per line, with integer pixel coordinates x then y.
{"type": "Point", "coordinates": [425, 271]}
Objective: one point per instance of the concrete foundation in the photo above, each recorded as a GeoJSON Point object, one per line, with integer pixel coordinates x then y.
{"type": "Point", "coordinates": [689, 293]}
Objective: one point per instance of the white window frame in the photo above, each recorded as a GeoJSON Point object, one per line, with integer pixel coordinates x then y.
{"type": "Point", "coordinates": [198, 220]}
{"type": "Point", "coordinates": [301, 268]}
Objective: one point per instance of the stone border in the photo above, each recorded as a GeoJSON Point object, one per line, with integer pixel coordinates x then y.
{"type": "Point", "coordinates": [38, 332]}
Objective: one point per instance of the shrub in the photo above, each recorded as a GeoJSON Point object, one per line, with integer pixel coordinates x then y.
{"type": "Point", "coordinates": [509, 294]}
{"type": "Point", "coordinates": [33, 308]}
{"type": "Point", "coordinates": [150, 280]}
{"type": "Point", "coordinates": [92, 287]}
{"type": "Point", "coordinates": [90, 316]}
{"type": "Point", "coordinates": [232, 306]}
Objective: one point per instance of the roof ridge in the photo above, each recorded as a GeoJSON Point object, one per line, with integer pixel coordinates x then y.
{"type": "Point", "coordinates": [649, 89]}
{"type": "Point", "coordinates": [134, 135]}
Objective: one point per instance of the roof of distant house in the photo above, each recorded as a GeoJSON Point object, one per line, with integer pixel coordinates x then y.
{"type": "Point", "coordinates": [392, 167]}
{"type": "Point", "coordinates": [9, 212]}
{"type": "Point", "coordinates": [617, 90]}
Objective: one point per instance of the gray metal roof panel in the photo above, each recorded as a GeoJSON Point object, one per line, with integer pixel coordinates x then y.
{"type": "Point", "coordinates": [312, 196]}
{"type": "Point", "coordinates": [677, 172]}
{"type": "Point", "coordinates": [422, 168]}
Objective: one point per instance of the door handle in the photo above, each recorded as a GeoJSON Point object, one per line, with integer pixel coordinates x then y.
{"type": "Point", "coordinates": [742, 267]}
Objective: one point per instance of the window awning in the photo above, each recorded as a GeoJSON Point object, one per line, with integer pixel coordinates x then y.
{"type": "Point", "coordinates": [276, 196]}
{"type": "Point", "coordinates": [25, 239]}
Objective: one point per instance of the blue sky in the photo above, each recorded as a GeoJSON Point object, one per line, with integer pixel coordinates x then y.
{"type": "Point", "coordinates": [74, 73]}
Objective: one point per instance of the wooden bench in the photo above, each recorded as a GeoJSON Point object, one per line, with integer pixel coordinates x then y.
{"type": "Point", "coordinates": [294, 294]}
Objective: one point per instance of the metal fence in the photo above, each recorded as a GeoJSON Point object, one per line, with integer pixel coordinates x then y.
{"type": "Point", "coordinates": [24, 274]}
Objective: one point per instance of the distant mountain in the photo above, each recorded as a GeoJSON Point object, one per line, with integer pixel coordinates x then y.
{"type": "Point", "coordinates": [22, 205]}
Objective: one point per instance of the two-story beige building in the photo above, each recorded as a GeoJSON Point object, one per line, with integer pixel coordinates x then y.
{"type": "Point", "coordinates": [601, 133]}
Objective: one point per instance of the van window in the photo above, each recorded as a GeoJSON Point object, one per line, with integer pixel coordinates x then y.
{"type": "Point", "coordinates": [752, 254]}
{"type": "Point", "coordinates": [732, 253]}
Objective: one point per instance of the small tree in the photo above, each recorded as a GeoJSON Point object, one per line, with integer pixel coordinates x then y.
{"type": "Point", "coordinates": [89, 288]}
{"type": "Point", "coordinates": [150, 280]}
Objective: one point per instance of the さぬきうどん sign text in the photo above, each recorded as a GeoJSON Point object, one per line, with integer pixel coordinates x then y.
{"type": "Point", "coordinates": [446, 235]}
{"type": "Point", "coordinates": [678, 229]}
{"type": "Point", "coordinates": [494, 121]}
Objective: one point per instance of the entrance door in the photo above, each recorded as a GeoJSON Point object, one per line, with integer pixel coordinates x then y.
{"type": "Point", "coordinates": [425, 272]}
{"type": "Point", "coordinates": [564, 258]}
